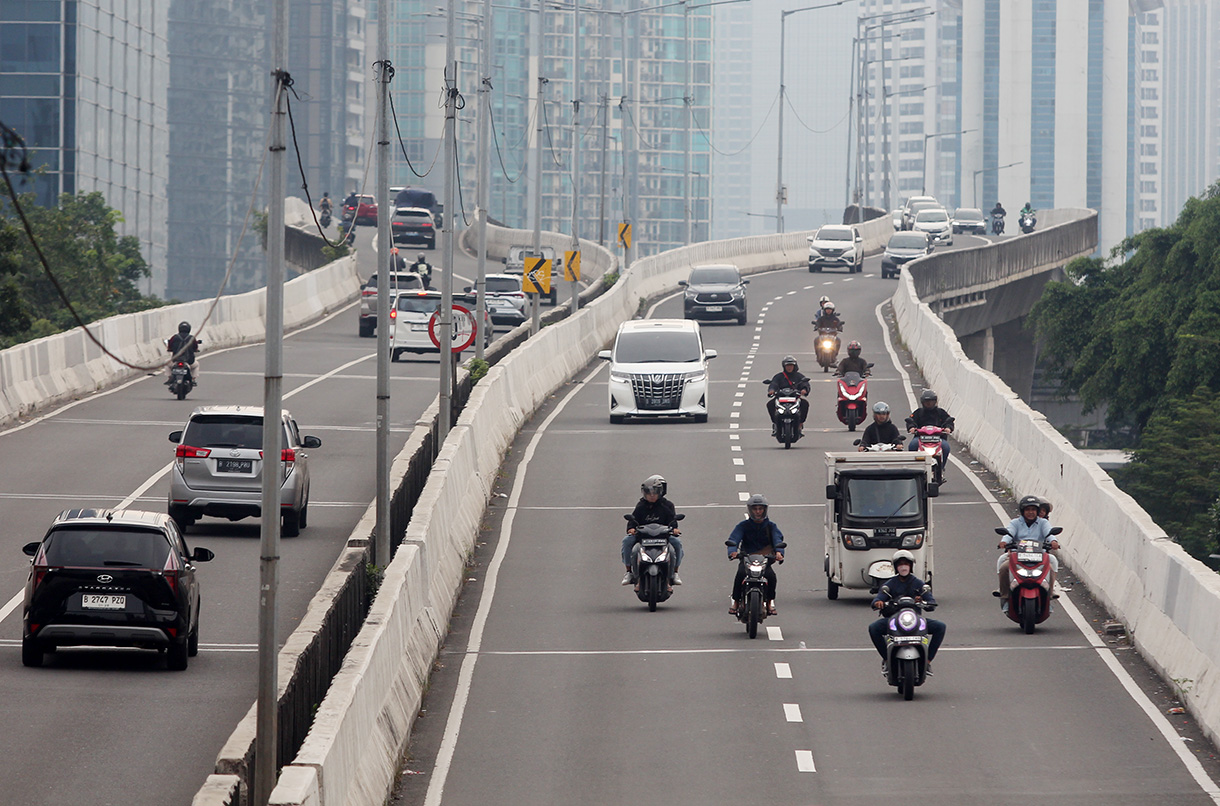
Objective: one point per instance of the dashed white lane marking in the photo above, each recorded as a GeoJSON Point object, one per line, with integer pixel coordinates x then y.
{"type": "Point", "coordinates": [734, 425]}
{"type": "Point", "coordinates": [783, 671]}
{"type": "Point", "coordinates": [792, 712]}
{"type": "Point", "coordinates": [737, 403]}
{"type": "Point", "coordinates": [740, 477]}
{"type": "Point", "coordinates": [734, 447]}
{"type": "Point", "coordinates": [758, 330]}
{"type": "Point", "coordinates": [743, 496]}
{"type": "Point", "coordinates": [734, 436]}
{"type": "Point", "coordinates": [775, 634]}
{"type": "Point", "coordinates": [734, 414]}
{"type": "Point", "coordinates": [804, 761]}
{"type": "Point", "coordinates": [735, 461]}
{"type": "Point", "coordinates": [790, 293]}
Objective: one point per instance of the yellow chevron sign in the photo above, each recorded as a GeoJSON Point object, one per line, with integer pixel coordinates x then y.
{"type": "Point", "coordinates": [537, 275]}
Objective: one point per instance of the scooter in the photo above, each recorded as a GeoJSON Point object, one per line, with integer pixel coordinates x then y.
{"type": "Point", "coordinates": [324, 219]}
{"type": "Point", "coordinates": [906, 644]}
{"type": "Point", "coordinates": [180, 380]}
{"type": "Point", "coordinates": [1027, 223]}
{"type": "Point", "coordinates": [787, 416]}
{"type": "Point", "coordinates": [826, 346]}
{"type": "Point", "coordinates": [931, 442]}
{"type": "Point", "coordinates": [651, 562]}
{"type": "Point", "coordinates": [997, 224]}
{"type": "Point", "coordinates": [853, 399]}
{"type": "Point", "coordinates": [752, 607]}
{"type": "Point", "coordinates": [1029, 574]}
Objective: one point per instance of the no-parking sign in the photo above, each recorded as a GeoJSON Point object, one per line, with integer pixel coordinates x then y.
{"type": "Point", "coordinates": [463, 329]}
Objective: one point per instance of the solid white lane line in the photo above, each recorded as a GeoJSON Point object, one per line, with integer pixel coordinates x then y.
{"type": "Point", "coordinates": [804, 761]}
{"type": "Point", "coordinates": [783, 671]}
{"type": "Point", "coordinates": [779, 650]}
{"type": "Point", "coordinates": [1141, 699]}
{"type": "Point", "coordinates": [792, 712]}
{"type": "Point", "coordinates": [150, 481]}
{"type": "Point", "coordinates": [453, 725]}
{"type": "Point", "coordinates": [12, 604]}
{"type": "Point", "coordinates": [775, 634]}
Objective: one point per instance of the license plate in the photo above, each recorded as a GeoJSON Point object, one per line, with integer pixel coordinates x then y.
{"type": "Point", "coordinates": [234, 465]}
{"type": "Point", "coordinates": [99, 601]}
{"type": "Point", "coordinates": [714, 308]}
{"type": "Point", "coordinates": [1028, 557]}
{"type": "Point", "coordinates": [420, 326]}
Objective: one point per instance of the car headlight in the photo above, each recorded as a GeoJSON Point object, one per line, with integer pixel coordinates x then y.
{"type": "Point", "coordinates": [912, 541]}
{"type": "Point", "coordinates": [621, 377]}
{"type": "Point", "coordinates": [690, 294]}
{"type": "Point", "coordinates": [737, 293]}
{"type": "Point", "coordinates": [697, 375]}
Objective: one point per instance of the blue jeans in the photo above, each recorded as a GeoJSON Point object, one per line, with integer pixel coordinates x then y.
{"type": "Point", "coordinates": [877, 629]}
{"type": "Point", "coordinates": [629, 543]}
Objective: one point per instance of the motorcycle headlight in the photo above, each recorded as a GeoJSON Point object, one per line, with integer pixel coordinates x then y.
{"type": "Point", "coordinates": [1028, 572]}
{"type": "Point", "coordinates": [827, 344]}
{"type": "Point", "coordinates": [663, 557]}
{"type": "Point", "coordinates": [908, 620]}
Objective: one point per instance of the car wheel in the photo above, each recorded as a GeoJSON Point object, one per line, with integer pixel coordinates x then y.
{"type": "Point", "coordinates": [192, 641]}
{"type": "Point", "coordinates": [31, 653]}
{"type": "Point", "coordinates": [180, 517]}
{"type": "Point", "coordinates": [177, 656]}
{"type": "Point", "coordinates": [432, 244]}
{"type": "Point", "coordinates": [617, 419]}
{"type": "Point", "coordinates": [303, 518]}
{"type": "Point", "coordinates": [290, 523]}
{"type": "Point", "coordinates": [741, 320]}
{"type": "Point", "coordinates": [366, 330]}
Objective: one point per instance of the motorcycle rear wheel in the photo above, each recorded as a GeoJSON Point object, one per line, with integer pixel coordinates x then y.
{"type": "Point", "coordinates": [753, 612]}
{"type": "Point", "coordinates": [906, 682]}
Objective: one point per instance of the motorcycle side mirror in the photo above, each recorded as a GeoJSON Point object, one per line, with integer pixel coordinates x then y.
{"type": "Point", "coordinates": [1000, 530]}
{"type": "Point", "coordinates": [781, 545]}
{"type": "Point", "coordinates": [680, 517]}
{"type": "Point", "coordinates": [768, 383]}
{"type": "Point", "coordinates": [466, 290]}
{"type": "Point", "coordinates": [627, 517]}
{"type": "Point", "coordinates": [728, 542]}
{"type": "Point", "coordinates": [832, 492]}
{"type": "Point", "coordinates": [870, 366]}
{"type": "Point", "coordinates": [175, 437]}
{"type": "Point", "coordinates": [1056, 530]}
{"type": "Point", "coordinates": [857, 442]}
{"type": "Point", "coordinates": [933, 490]}
{"type": "Point", "coordinates": [745, 282]}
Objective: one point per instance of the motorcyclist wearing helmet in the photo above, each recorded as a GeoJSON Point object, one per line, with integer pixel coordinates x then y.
{"type": "Point", "coordinates": [1028, 525]}
{"type": "Point", "coordinates": [789, 377]}
{"type": "Point", "coordinates": [1028, 209]}
{"type": "Point", "coordinates": [999, 210]}
{"type": "Point", "coordinates": [929, 413]}
{"type": "Point", "coordinates": [325, 205]}
{"type": "Point", "coordinates": [828, 319]}
{"type": "Point", "coordinates": [654, 507]}
{"type": "Point", "coordinates": [822, 303]}
{"type": "Point", "coordinates": [1044, 508]}
{"type": "Point", "coordinates": [423, 268]}
{"type": "Point", "coordinates": [854, 362]}
{"type": "Point", "coordinates": [757, 534]}
{"type": "Point", "coordinates": [182, 347]}
{"type": "Point", "coordinates": [881, 431]}
{"type": "Point", "coordinates": [903, 584]}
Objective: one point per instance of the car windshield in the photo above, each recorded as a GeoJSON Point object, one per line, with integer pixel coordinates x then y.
{"type": "Point", "coordinates": [412, 303]}
{"type": "Point", "coordinates": [102, 547]}
{"type": "Point", "coordinates": [398, 281]}
{"type": "Point", "coordinates": [923, 205]}
{"type": "Point", "coordinates": [969, 214]}
{"type": "Point", "coordinates": [827, 234]}
{"type": "Point", "coordinates": [883, 498]}
{"type": "Point", "coordinates": [224, 431]}
{"type": "Point", "coordinates": [502, 284]}
{"type": "Point", "coordinates": [931, 217]}
{"type": "Point", "coordinates": [714, 275]}
{"type": "Point", "coordinates": [655, 346]}
{"type": "Point", "coordinates": [907, 240]}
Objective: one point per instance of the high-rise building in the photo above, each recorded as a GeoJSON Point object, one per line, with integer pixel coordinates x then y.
{"type": "Point", "coordinates": [85, 84]}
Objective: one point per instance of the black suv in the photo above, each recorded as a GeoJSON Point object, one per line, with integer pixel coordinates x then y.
{"type": "Point", "coordinates": [120, 578]}
{"type": "Point", "coordinates": [715, 292]}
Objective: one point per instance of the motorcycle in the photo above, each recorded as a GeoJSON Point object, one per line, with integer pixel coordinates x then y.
{"type": "Point", "coordinates": [752, 607]}
{"type": "Point", "coordinates": [1027, 223]}
{"type": "Point", "coordinates": [997, 224]}
{"type": "Point", "coordinates": [931, 442]}
{"type": "Point", "coordinates": [1029, 574]}
{"type": "Point", "coordinates": [853, 399]}
{"type": "Point", "coordinates": [651, 562]}
{"type": "Point", "coordinates": [180, 380]}
{"type": "Point", "coordinates": [787, 416]}
{"type": "Point", "coordinates": [906, 644]}
{"type": "Point", "coordinates": [826, 345]}
{"type": "Point", "coordinates": [324, 219]}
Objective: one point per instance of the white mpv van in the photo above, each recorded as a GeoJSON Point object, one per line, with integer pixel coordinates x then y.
{"type": "Point", "coordinates": [658, 368]}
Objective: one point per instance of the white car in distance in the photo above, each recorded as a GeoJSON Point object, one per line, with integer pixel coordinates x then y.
{"type": "Point", "coordinates": [658, 369]}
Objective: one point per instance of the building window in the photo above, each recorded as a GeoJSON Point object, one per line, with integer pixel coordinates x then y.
{"type": "Point", "coordinates": [1147, 205]}
{"type": "Point", "coordinates": [1149, 75]}
{"type": "Point", "coordinates": [1148, 149]}
{"type": "Point", "coordinates": [1150, 57]}
{"type": "Point", "coordinates": [1148, 112]}
{"type": "Point", "coordinates": [1148, 131]}
{"type": "Point", "coordinates": [1149, 38]}
{"type": "Point", "coordinates": [1147, 187]}
{"type": "Point", "coordinates": [1148, 93]}
{"type": "Point", "coordinates": [1148, 168]}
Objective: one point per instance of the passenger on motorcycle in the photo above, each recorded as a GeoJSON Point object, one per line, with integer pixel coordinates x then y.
{"type": "Point", "coordinates": [1028, 526]}
{"type": "Point", "coordinates": [790, 377]}
{"type": "Point", "coordinates": [182, 347]}
{"type": "Point", "coordinates": [757, 534]}
{"type": "Point", "coordinates": [904, 584]}
{"type": "Point", "coordinates": [880, 431]}
{"type": "Point", "coordinates": [1044, 508]}
{"type": "Point", "coordinates": [654, 507]}
{"type": "Point", "coordinates": [828, 319]}
{"type": "Point", "coordinates": [853, 362]}
{"type": "Point", "coordinates": [822, 303]}
{"type": "Point", "coordinates": [929, 413]}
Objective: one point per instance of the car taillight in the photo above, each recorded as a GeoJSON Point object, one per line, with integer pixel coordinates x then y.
{"type": "Point", "coordinates": [394, 313]}
{"type": "Point", "coordinates": [288, 457]}
{"type": "Point", "coordinates": [369, 292]}
{"type": "Point", "coordinates": [185, 452]}
{"type": "Point", "coordinates": [40, 567]}
{"type": "Point", "coordinates": [426, 225]}
{"type": "Point", "coordinates": [171, 570]}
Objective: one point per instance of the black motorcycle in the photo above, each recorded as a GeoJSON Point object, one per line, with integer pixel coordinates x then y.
{"type": "Point", "coordinates": [324, 219]}
{"type": "Point", "coordinates": [787, 416]}
{"type": "Point", "coordinates": [652, 562]}
{"type": "Point", "coordinates": [180, 379]}
{"type": "Point", "coordinates": [906, 644]}
{"type": "Point", "coordinates": [997, 223]}
{"type": "Point", "coordinates": [1027, 223]}
{"type": "Point", "coordinates": [752, 607]}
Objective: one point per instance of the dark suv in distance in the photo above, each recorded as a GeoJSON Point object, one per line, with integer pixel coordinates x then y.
{"type": "Point", "coordinates": [715, 291]}
{"type": "Point", "coordinates": [112, 578]}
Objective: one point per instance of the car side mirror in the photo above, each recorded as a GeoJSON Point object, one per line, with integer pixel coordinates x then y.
{"type": "Point", "coordinates": [832, 492]}
{"type": "Point", "coordinates": [745, 282]}
{"type": "Point", "coordinates": [311, 442]}
{"type": "Point", "coordinates": [1056, 530]}
{"type": "Point", "coordinates": [201, 555]}
{"type": "Point", "coordinates": [809, 238]}
{"type": "Point", "coordinates": [604, 355]}
{"type": "Point", "coordinates": [682, 283]}
{"type": "Point", "coordinates": [175, 436]}
{"type": "Point", "coordinates": [709, 353]}
{"type": "Point", "coordinates": [31, 548]}
{"type": "Point", "coordinates": [933, 490]}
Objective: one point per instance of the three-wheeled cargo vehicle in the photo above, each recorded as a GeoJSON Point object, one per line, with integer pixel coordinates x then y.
{"type": "Point", "coordinates": [878, 502]}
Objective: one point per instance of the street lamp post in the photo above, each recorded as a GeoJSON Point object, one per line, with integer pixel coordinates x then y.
{"type": "Point", "coordinates": [926, 138]}
{"type": "Point", "coordinates": [975, 183]}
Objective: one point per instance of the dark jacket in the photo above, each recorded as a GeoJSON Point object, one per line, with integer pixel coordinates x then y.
{"type": "Point", "coordinates": [795, 380]}
{"type": "Point", "coordinates": [896, 587]}
{"type": "Point", "coordinates": [660, 511]}
{"type": "Point", "coordinates": [749, 537]}
{"type": "Point", "coordinates": [881, 434]}
{"type": "Point", "coordinates": [422, 267]}
{"type": "Point", "coordinates": [177, 342]}
{"type": "Point", "coordinates": [829, 321]}
{"type": "Point", "coordinates": [934, 416]}
{"type": "Point", "coordinates": [998, 209]}
{"type": "Point", "coordinates": [850, 364]}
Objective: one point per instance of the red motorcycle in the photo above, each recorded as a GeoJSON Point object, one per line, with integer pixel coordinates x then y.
{"type": "Point", "coordinates": [852, 406]}
{"type": "Point", "coordinates": [1029, 575]}
{"type": "Point", "coordinates": [931, 442]}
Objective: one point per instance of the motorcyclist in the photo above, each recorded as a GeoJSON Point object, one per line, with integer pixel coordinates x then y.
{"type": "Point", "coordinates": [654, 507]}
{"type": "Point", "coordinates": [757, 534]}
{"type": "Point", "coordinates": [822, 303]}
{"type": "Point", "coordinates": [182, 347]}
{"type": "Point", "coordinates": [351, 201]}
{"type": "Point", "coordinates": [423, 268]}
{"type": "Point", "coordinates": [1029, 525]}
{"type": "Point", "coordinates": [853, 362]}
{"type": "Point", "coordinates": [881, 431]}
{"type": "Point", "coordinates": [790, 377]}
{"type": "Point", "coordinates": [828, 319]}
{"type": "Point", "coordinates": [1028, 209]}
{"type": "Point", "coordinates": [904, 584]}
{"type": "Point", "coordinates": [325, 205]}
{"type": "Point", "coordinates": [929, 413]}
{"type": "Point", "coordinates": [999, 210]}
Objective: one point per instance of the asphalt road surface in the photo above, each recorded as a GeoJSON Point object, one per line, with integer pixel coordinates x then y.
{"type": "Point", "coordinates": [558, 686]}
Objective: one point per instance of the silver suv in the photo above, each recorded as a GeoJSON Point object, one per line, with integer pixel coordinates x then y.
{"type": "Point", "coordinates": [218, 466]}
{"type": "Point", "coordinates": [836, 246]}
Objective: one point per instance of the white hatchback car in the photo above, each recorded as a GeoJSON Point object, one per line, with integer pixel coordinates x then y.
{"type": "Point", "coordinates": [658, 368]}
{"type": "Point", "coordinates": [936, 223]}
{"type": "Point", "coordinates": [410, 317]}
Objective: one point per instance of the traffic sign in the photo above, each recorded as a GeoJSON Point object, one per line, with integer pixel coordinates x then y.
{"type": "Point", "coordinates": [571, 266]}
{"type": "Point", "coordinates": [537, 276]}
{"type": "Point", "coordinates": [624, 234]}
{"type": "Point", "coordinates": [462, 328]}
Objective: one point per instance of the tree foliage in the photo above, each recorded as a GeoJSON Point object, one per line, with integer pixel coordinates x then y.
{"type": "Point", "coordinates": [97, 268]}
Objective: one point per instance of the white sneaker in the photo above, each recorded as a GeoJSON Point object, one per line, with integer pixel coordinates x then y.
{"type": "Point", "coordinates": [626, 579]}
{"type": "Point", "coordinates": [677, 579]}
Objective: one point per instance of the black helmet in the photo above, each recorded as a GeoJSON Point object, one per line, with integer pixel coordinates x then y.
{"type": "Point", "coordinates": [927, 396]}
{"type": "Point", "coordinates": [881, 407]}
{"type": "Point", "coordinates": [853, 349]}
{"type": "Point", "coordinates": [184, 328]}
{"type": "Point", "coordinates": [1027, 502]}
{"type": "Point", "coordinates": [757, 500]}
{"type": "Point", "coordinates": [654, 484]}
{"type": "Point", "coordinates": [422, 258]}
{"type": "Point", "coordinates": [790, 359]}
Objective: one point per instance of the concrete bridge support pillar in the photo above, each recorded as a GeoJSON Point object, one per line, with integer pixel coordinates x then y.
{"type": "Point", "coordinates": [1007, 349]}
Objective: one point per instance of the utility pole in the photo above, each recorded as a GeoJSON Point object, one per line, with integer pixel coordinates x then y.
{"type": "Point", "coordinates": [601, 209]}
{"type": "Point", "coordinates": [267, 710]}
{"type": "Point", "coordinates": [629, 166]}
{"type": "Point", "coordinates": [484, 171]}
{"type": "Point", "coordinates": [385, 269]}
{"type": "Point", "coordinates": [536, 248]}
{"type": "Point", "coordinates": [686, 102]}
{"type": "Point", "coordinates": [576, 172]}
{"type": "Point", "coordinates": [444, 334]}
